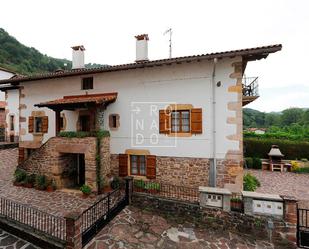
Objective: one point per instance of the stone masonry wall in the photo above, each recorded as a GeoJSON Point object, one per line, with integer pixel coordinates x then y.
{"type": "Point", "coordinates": [47, 159]}
{"type": "Point", "coordinates": [218, 219]}
{"type": "Point", "coordinates": [105, 158]}
{"type": "Point", "coordinates": [185, 171]}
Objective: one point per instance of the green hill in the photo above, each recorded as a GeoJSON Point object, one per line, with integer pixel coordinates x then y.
{"type": "Point", "coordinates": [27, 60]}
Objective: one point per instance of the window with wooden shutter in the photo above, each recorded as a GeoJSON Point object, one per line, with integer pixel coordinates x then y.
{"type": "Point", "coordinates": [164, 121]}
{"type": "Point", "coordinates": [196, 121]}
{"type": "Point", "coordinates": [30, 124]}
{"type": "Point", "coordinates": [123, 165]}
{"type": "Point", "coordinates": [151, 166]}
{"type": "Point", "coordinates": [45, 124]}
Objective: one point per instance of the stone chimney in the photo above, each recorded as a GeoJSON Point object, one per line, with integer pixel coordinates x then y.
{"type": "Point", "coordinates": [142, 48]}
{"type": "Point", "coordinates": [78, 57]}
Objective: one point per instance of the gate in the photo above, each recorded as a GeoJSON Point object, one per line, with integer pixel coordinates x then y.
{"type": "Point", "coordinates": [99, 214]}
{"type": "Point", "coordinates": [303, 228]}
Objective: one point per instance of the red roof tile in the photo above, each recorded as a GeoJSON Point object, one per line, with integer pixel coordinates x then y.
{"type": "Point", "coordinates": [80, 99]}
{"type": "Point", "coordinates": [247, 54]}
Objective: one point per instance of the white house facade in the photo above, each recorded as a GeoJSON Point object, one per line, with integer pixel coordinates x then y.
{"type": "Point", "coordinates": [175, 120]}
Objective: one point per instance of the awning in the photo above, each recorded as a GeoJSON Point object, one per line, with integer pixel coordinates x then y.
{"type": "Point", "coordinates": [80, 101]}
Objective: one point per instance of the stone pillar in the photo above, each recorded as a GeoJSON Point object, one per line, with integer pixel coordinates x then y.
{"type": "Point", "coordinates": [73, 231]}
{"type": "Point", "coordinates": [290, 217]}
{"type": "Point", "coordinates": [129, 188]}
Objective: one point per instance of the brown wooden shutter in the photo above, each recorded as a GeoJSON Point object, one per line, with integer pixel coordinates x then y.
{"type": "Point", "coordinates": [151, 166]}
{"type": "Point", "coordinates": [45, 124]}
{"type": "Point", "coordinates": [123, 164]}
{"type": "Point", "coordinates": [21, 154]}
{"type": "Point", "coordinates": [30, 124]}
{"type": "Point", "coordinates": [164, 121]}
{"type": "Point", "coordinates": [196, 121]}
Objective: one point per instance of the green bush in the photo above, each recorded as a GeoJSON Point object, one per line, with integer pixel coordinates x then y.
{"type": "Point", "coordinates": [82, 134]}
{"type": "Point", "coordinates": [152, 186]}
{"type": "Point", "coordinates": [304, 170]}
{"type": "Point", "coordinates": [40, 182]}
{"type": "Point", "coordinates": [20, 175]}
{"type": "Point", "coordinates": [259, 147]}
{"type": "Point", "coordinates": [257, 163]}
{"type": "Point", "coordinates": [251, 183]}
{"type": "Point", "coordinates": [115, 184]}
{"type": "Point", "coordinates": [85, 189]}
{"type": "Point", "coordinates": [139, 184]}
{"type": "Point", "coordinates": [249, 162]}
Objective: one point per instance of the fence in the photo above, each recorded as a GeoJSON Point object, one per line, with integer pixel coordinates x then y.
{"type": "Point", "coordinates": [100, 213]}
{"type": "Point", "coordinates": [38, 220]}
{"type": "Point", "coordinates": [160, 189]}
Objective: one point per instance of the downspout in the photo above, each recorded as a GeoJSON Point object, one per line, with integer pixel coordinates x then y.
{"type": "Point", "coordinates": [213, 162]}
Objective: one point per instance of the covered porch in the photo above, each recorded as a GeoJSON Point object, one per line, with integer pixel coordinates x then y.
{"type": "Point", "coordinates": [80, 112]}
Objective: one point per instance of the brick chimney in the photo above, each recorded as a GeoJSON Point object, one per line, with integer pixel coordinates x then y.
{"type": "Point", "coordinates": [142, 48]}
{"type": "Point", "coordinates": [78, 57]}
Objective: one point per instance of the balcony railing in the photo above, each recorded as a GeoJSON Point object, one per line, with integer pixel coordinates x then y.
{"type": "Point", "coordinates": [250, 87]}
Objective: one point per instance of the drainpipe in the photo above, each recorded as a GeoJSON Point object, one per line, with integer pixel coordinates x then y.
{"type": "Point", "coordinates": [213, 161]}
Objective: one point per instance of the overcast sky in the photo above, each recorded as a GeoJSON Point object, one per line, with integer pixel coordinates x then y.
{"type": "Point", "coordinates": [107, 29]}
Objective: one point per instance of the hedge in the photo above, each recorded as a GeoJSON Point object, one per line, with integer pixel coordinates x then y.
{"type": "Point", "coordinates": [259, 147]}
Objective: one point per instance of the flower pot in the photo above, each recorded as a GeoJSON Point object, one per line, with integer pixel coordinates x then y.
{"type": "Point", "coordinates": [17, 184]}
{"type": "Point", "coordinates": [50, 189]}
{"type": "Point", "coordinates": [107, 189]}
{"type": "Point", "coordinates": [28, 185]}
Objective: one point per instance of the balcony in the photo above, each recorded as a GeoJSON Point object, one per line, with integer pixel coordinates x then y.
{"type": "Point", "coordinates": [250, 90]}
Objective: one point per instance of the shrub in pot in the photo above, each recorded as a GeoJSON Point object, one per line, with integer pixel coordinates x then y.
{"type": "Point", "coordinates": [257, 163]}
{"type": "Point", "coordinates": [139, 185]}
{"type": "Point", "coordinates": [115, 184]}
{"type": "Point", "coordinates": [86, 190]}
{"type": "Point", "coordinates": [40, 182]}
{"type": "Point", "coordinates": [19, 176]}
{"type": "Point", "coordinates": [236, 203]}
{"type": "Point", "coordinates": [51, 186]}
{"type": "Point", "coordinates": [152, 187]}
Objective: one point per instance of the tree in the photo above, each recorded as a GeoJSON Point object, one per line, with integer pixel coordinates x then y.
{"type": "Point", "coordinates": [291, 115]}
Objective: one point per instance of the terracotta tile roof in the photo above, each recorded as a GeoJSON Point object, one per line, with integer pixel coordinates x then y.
{"type": "Point", "coordinates": [248, 54]}
{"type": "Point", "coordinates": [80, 99]}
{"type": "Point", "coordinates": [2, 104]}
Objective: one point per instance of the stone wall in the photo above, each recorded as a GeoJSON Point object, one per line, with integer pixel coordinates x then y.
{"type": "Point", "coordinates": [49, 159]}
{"type": "Point", "coordinates": [105, 157]}
{"type": "Point", "coordinates": [190, 172]}
{"type": "Point", "coordinates": [276, 230]}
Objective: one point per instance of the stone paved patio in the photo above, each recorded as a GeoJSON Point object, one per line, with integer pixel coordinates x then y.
{"type": "Point", "coordinates": [134, 228]}
{"type": "Point", "coordinates": [57, 203]}
{"type": "Point", "coordinates": [8, 241]}
{"type": "Point", "coordinates": [285, 183]}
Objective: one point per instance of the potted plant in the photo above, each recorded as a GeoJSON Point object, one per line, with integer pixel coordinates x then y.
{"type": "Point", "coordinates": [51, 187]}
{"type": "Point", "coordinates": [30, 181]}
{"type": "Point", "coordinates": [86, 190]}
{"type": "Point", "coordinates": [19, 176]}
{"type": "Point", "coordinates": [152, 187]}
{"type": "Point", "coordinates": [236, 204]}
{"type": "Point", "coordinates": [139, 186]}
{"type": "Point", "coordinates": [107, 188]}
{"type": "Point", "coordinates": [40, 182]}
{"type": "Point", "coordinates": [115, 184]}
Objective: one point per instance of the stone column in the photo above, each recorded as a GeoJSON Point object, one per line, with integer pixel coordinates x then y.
{"type": "Point", "coordinates": [290, 217]}
{"type": "Point", "coordinates": [73, 231]}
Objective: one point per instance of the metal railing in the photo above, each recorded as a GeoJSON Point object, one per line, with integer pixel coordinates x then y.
{"type": "Point", "coordinates": [100, 213]}
{"type": "Point", "coordinates": [250, 86]}
{"type": "Point", "coordinates": [164, 190]}
{"type": "Point", "coordinates": [49, 224]}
